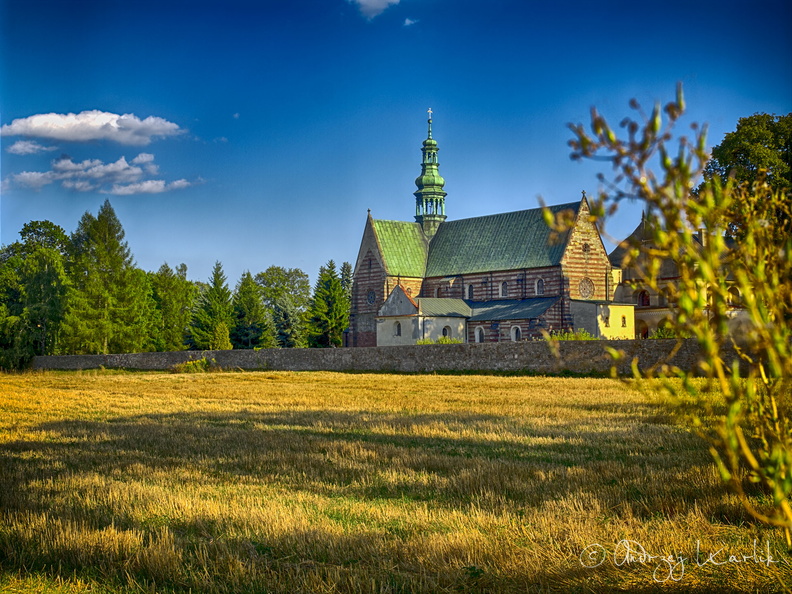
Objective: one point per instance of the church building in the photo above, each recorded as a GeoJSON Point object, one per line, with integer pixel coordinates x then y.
{"type": "Point", "coordinates": [492, 278]}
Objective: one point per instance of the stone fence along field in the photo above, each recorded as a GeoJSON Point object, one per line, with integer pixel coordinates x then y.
{"type": "Point", "coordinates": [529, 356]}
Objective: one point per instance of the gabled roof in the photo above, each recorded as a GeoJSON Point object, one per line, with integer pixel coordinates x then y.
{"type": "Point", "coordinates": [511, 309]}
{"type": "Point", "coordinates": [403, 247]}
{"type": "Point", "coordinates": [507, 241]}
{"type": "Point", "coordinates": [444, 307]}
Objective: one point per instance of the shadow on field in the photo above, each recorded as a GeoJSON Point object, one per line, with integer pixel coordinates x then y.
{"type": "Point", "coordinates": [455, 461]}
{"type": "Point", "coordinates": [451, 459]}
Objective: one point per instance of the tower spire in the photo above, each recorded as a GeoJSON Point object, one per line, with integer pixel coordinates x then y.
{"type": "Point", "coordinates": [430, 197]}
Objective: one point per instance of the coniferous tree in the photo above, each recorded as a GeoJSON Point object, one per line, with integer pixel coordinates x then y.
{"type": "Point", "coordinates": [175, 297]}
{"type": "Point", "coordinates": [110, 308]}
{"type": "Point", "coordinates": [214, 313]}
{"type": "Point", "coordinates": [288, 321]}
{"type": "Point", "coordinates": [346, 281]}
{"type": "Point", "coordinates": [329, 309]}
{"type": "Point", "coordinates": [252, 322]}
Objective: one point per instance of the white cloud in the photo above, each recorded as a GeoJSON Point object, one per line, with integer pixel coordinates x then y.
{"type": "Point", "coordinates": [151, 186]}
{"type": "Point", "coordinates": [372, 8]}
{"type": "Point", "coordinates": [28, 147]}
{"type": "Point", "coordinates": [143, 158]}
{"type": "Point", "coordinates": [408, 22]}
{"type": "Point", "coordinates": [92, 125]}
{"type": "Point", "coordinates": [119, 177]}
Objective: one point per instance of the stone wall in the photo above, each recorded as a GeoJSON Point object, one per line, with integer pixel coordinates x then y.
{"type": "Point", "coordinates": [528, 356]}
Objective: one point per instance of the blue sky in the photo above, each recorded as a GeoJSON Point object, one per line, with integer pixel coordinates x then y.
{"type": "Point", "coordinates": [259, 133]}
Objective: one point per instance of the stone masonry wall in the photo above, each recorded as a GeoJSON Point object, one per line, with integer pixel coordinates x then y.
{"type": "Point", "coordinates": [527, 356]}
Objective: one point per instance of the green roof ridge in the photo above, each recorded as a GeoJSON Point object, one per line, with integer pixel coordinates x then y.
{"type": "Point", "coordinates": [504, 241]}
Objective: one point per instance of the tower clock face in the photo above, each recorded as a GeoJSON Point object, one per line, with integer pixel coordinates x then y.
{"type": "Point", "coordinates": [371, 297]}
{"type": "Point", "coordinates": [586, 288]}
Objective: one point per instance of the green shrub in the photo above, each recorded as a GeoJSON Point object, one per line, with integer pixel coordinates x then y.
{"type": "Point", "coordinates": [441, 340]}
{"type": "Point", "coordinates": [201, 365]}
{"type": "Point", "coordinates": [579, 334]}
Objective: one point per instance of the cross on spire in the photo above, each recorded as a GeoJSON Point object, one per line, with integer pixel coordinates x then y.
{"type": "Point", "coordinates": [429, 111]}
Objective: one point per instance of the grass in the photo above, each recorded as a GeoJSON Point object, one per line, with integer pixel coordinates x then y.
{"type": "Point", "coordinates": [327, 482]}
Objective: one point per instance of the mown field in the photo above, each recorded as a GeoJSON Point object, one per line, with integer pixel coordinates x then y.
{"type": "Point", "coordinates": [329, 482]}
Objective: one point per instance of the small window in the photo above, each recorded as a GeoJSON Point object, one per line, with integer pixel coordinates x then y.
{"type": "Point", "coordinates": [409, 291]}
{"type": "Point", "coordinates": [734, 297]}
{"type": "Point", "coordinates": [643, 299]}
{"type": "Point", "coordinates": [540, 287]}
{"type": "Point", "coordinates": [470, 292]}
{"type": "Point", "coordinates": [504, 289]}
{"type": "Point", "coordinates": [606, 319]}
{"type": "Point", "coordinates": [516, 334]}
{"type": "Point", "coordinates": [479, 334]}
{"type": "Point", "coordinates": [437, 292]}
{"type": "Point", "coordinates": [624, 321]}
{"type": "Point", "coordinates": [447, 331]}
{"type": "Point", "coordinates": [586, 248]}
{"type": "Point", "coordinates": [397, 328]}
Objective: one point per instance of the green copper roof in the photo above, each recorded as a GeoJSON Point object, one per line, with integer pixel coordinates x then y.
{"type": "Point", "coordinates": [511, 309]}
{"type": "Point", "coordinates": [403, 247]}
{"type": "Point", "coordinates": [444, 307]}
{"type": "Point", "coordinates": [476, 311]}
{"type": "Point", "coordinates": [507, 241]}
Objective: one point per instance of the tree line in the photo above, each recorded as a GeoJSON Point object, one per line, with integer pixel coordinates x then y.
{"type": "Point", "coordinates": [83, 294]}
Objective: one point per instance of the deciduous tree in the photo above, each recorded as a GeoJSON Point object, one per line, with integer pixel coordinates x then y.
{"type": "Point", "coordinates": [750, 437]}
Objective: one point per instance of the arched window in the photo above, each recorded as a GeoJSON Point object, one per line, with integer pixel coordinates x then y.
{"type": "Point", "coordinates": [470, 291]}
{"type": "Point", "coordinates": [624, 321]}
{"type": "Point", "coordinates": [479, 334]}
{"type": "Point", "coordinates": [539, 286]}
{"type": "Point", "coordinates": [516, 334]}
{"type": "Point", "coordinates": [447, 331]}
{"type": "Point", "coordinates": [504, 289]}
{"type": "Point", "coordinates": [734, 297]}
{"type": "Point", "coordinates": [397, 328]}
{"type": "Point", "coordinates": [437, 292]}
{"type": "Point", "coordinates": [643, 299]}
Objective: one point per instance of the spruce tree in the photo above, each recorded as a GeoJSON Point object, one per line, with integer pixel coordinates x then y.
{"type": "Point", "coordinates": [175, 297]}
{"type": "Point", "coordinates": [288, 321]}
{"type": "Point", "coordinates": [329, 309]}
{"type": "Point", "coordinates": [110, 308]}
{"type": "Point", "coordinates": [252, 322]}
{"type": "Point", "coordinates": [214, 313]}
{"type": "Point", "coordinates": [346, 280]}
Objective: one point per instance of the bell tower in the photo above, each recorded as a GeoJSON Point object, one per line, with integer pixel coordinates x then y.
{"type": "Point", "coordinates": [430, 197]}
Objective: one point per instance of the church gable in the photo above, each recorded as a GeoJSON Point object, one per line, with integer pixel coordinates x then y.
{"type": "Point", "coordinates": [585, 261]}
{"type": "Point", "coordinates": [398, 303]}
{"type": "Point", "coordinates": [508, 241]}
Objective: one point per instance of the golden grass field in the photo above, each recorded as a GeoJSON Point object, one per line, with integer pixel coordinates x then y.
{"type": "Point", "coordinates": [331, 482]}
